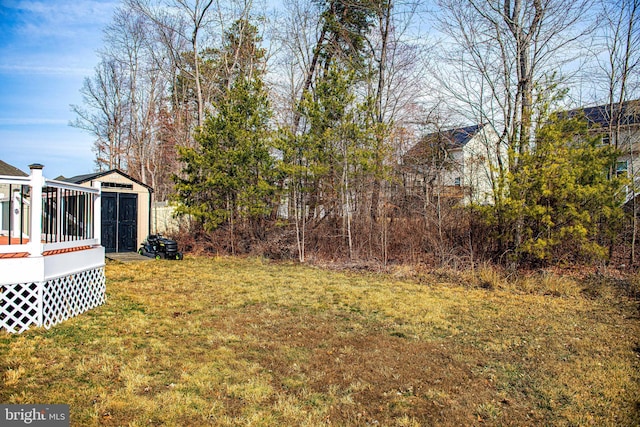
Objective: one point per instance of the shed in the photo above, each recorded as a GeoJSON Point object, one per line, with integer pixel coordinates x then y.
{"type": "Point", "coordinates": [126, 209]}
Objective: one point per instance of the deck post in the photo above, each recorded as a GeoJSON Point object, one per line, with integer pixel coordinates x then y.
{"type": "Point", "coordinates": [97, 213]}
{"type": "Point", "coordinates": [37, 182]}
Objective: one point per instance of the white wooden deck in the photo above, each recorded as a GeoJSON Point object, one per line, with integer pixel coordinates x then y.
{"type": "Point", "coordinates": [51, 260]}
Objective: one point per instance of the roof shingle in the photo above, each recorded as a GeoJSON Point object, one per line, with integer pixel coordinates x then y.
{"type": "Point", "coordinates": [8, 170]}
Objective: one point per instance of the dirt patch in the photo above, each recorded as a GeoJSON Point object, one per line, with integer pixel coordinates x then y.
{"type": "Point", "coordinates": [375, 375]}
{"type": "Point", "coordinates": [127, 257]}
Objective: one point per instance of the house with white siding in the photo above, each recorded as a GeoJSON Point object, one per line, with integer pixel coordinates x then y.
{"type": "Point", "coordinates": [617, 124]}
{"type": "Point", "coordinates": [458, 163]}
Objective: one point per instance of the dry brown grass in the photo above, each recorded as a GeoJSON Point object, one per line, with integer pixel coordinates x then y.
{"type": "Point", "coordinates": [231, 342]}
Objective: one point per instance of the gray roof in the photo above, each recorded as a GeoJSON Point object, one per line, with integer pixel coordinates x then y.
{"type": "Point", "coordinates": [8, 170]}
{"type": "Point", "coordinates": [450, 139]}
{"type": "Point", "coordinates": [79, 179]}
{"type": "Point", "coordinates": [628, 113]}
{"type": "Point", "coordinates": [459, 137]}
{"type": "Point", "coordinates": [454, 138]}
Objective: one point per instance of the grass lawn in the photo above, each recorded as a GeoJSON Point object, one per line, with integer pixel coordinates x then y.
{"type": "Point", "coordinates": [231, 342]}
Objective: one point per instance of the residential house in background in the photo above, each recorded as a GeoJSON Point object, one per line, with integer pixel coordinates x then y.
{"type": "Point", "coordinates": [618, 125]}
{"type": "Point", "coordinates": [458, 164]}
{"type": "Point", "coordinates": [8, 170]}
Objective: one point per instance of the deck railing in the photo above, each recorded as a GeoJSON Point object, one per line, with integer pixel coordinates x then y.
{"type": "Point", "coordinates": [51, 260]}
{"type": "Point", "coordinates": [14, 210]}
{"type": "Point", "coordinates": [67, 216]}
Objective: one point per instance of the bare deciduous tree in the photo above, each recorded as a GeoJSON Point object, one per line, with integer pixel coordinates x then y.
{"type": "Point", "coordinates": [104, 115]}
{"type": "Point", "coordinates": [500, 49]}
{"type": "Point", "coordinates": [179, 21]}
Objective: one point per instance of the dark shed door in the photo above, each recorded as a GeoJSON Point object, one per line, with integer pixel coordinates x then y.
{"type": "Point", "coordinates": [119, 221]}
{"type": "Point", "coordinates": [109, 213]}
{"type": "Point", "coordinates": [127, 222]}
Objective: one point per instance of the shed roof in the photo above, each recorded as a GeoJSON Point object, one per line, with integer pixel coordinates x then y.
{"type": "Point", "coordinates": [81, 179]}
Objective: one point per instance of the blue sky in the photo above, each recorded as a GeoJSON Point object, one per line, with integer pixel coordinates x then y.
{"type": "Point", "coordinates": [47, 48]}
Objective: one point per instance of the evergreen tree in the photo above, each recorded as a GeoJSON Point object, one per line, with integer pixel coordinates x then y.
{"type": "Point", "coordinates": [326, 165]}
{"type": "Point", "coordinates": [562, 196]}
{"type": "Point", "coordinates": [229, 175]}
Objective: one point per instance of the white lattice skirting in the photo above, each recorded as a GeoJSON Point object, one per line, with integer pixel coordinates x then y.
{"type": "Point", "coordinates": [48, 303]}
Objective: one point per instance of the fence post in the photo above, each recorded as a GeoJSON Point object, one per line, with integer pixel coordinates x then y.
{"type": "Point", "coordinates": [37, 182]}
{"type": "Point", "coordinates": [97, 213]}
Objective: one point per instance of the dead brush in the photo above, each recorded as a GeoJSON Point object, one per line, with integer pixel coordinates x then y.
{"type": "Point", "coordinates": [632, 286]}
{"type": "Point", "coordinates": [548, 283]}
{"type": "Point", "coordinates": [612, 285]}
{"type": "Point", "coordinates": [489, 277]}
{"type": "Point", "coordinates": [486, 276]}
